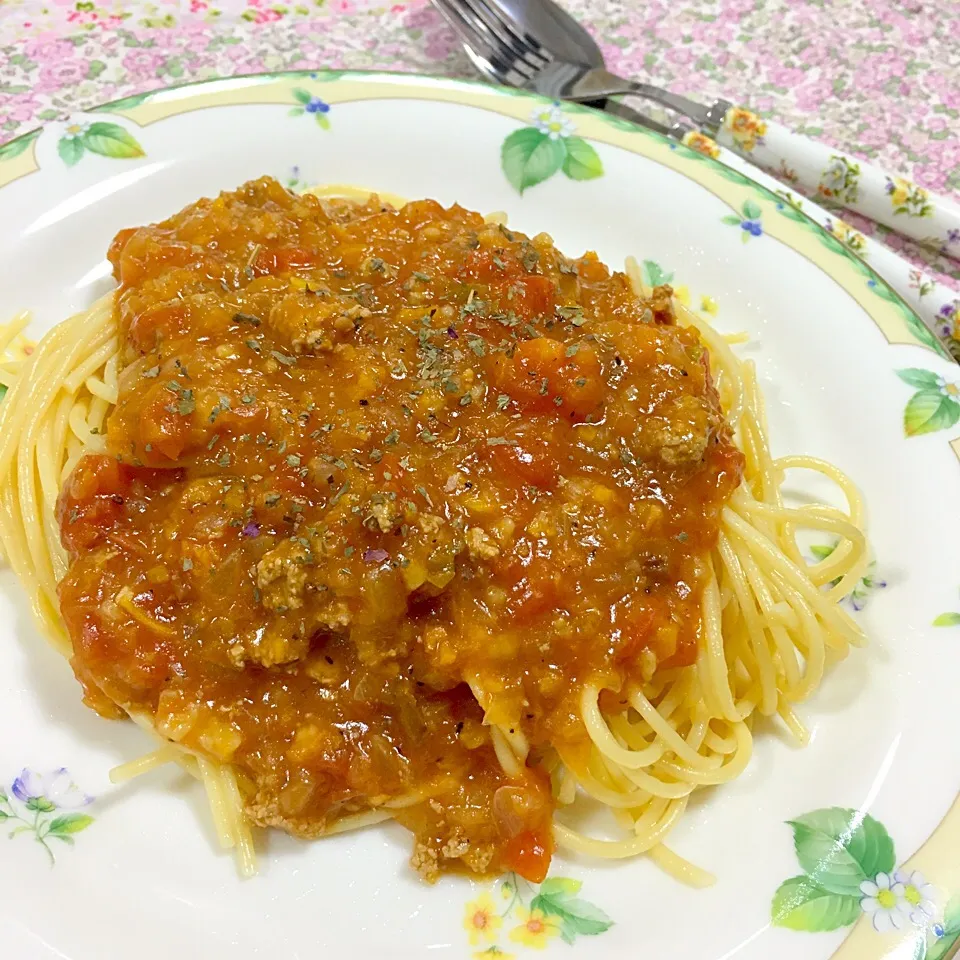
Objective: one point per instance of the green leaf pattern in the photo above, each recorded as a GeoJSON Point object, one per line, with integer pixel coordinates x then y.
{"type": "Point", "coordinates": [849, 861]}
{"type": "Point", "coordinates": [535, 153]}
{"type": "Point", "coordinates": [838, 852]}
{"type": "Point", "coordinates": [838, 849]}
{"type": "Point", "coordinates": [577, 917]}
{"type": "Point", "coordinates": [17, 146]}
{"type": "Point", "coordinates": [800, 904]}
{"type": "Point", "coordinates": [934, 406]}
{"type": "Point", "coordinates": [654, 275]}
{"type": "Point", "coordinates": [102, 138]}
{"type": "Point", "coordinates": [951, 619]}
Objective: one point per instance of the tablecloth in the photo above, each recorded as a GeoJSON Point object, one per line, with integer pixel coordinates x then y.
{"type": "Point", "coordinates": [878, 78]}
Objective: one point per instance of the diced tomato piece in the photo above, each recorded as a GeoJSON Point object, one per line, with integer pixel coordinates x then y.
{"type": "Point", "coordinates": [91, 501]}
{"type": "Point", "coordinates": [529, 461]}
{"type": "Point", "coordinates": [163, 428]}
{"type": "Point", "coordinates": [540, 371]}
{"type": "Point", "coordinates": [591, 270]}
{"type": "Point", "coordinates": [533, 296]}
{"type": "Point", "coordinates": [529, 854]}
{"type": "Point", "coordinates": [97, 475]}
{"type": "Point", "coordinates": [149, 328]}
{"type": "Point", "coordinates": [533, 588]}
{"type": "Point", "coordinates": [489, 267]}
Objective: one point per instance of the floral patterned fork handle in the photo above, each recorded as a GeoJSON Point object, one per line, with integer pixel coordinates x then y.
{"type": "Point", "coordinates": [937, 306]}
{"type": "Point", "coordinates": [840, 180]}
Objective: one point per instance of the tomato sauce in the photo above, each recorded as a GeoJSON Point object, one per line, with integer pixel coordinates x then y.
{"type": "Point", "coordinates": [365, 457]}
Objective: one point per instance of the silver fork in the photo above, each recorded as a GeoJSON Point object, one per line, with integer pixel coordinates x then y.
{"type": "Point", "coordinates": [504, 51]}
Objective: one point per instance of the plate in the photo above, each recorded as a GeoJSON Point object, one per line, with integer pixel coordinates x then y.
{"type": "Point", "coordinates": [872, 800]}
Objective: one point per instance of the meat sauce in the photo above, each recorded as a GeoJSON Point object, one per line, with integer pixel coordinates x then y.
{"type": "Point", "coordinates": [365, 464]}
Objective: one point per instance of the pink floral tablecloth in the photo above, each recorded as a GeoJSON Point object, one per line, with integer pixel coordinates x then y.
{"type": "Point", "coordinates": [879, 78]}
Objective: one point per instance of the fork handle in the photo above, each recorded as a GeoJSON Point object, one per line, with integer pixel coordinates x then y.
{"type": "Point", "coordinates": [835, 178]}
{"type": "Point", "coordinates": [839, 180]}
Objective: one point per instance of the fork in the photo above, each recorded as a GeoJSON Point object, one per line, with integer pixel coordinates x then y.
{"type": "Point", "coordinates": [544, 50]}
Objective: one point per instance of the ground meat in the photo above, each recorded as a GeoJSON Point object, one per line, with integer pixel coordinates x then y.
{"type": "Point", "coordinates": [430, 523]}
{"type": "Point", "coordinates": [424, 861]}
{"type": "Point", "coordinates": [386, 514]}
{"type": "Point", "coordinates": [312, 322]}
{"type": "Point", "coordinates": [480, 545]}
{"type": "Point", "coordinates": [282, 576]}
{"type": "Point", "coordinates": [677, 433]}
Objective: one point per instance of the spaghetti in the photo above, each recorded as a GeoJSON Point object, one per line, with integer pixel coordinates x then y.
{"type": "Point", "coordinates": [766, 623]}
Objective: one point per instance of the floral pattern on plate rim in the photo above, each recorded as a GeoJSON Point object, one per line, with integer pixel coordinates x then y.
{"type": "Point", "coordinates": [850, 870]}
{"type": "Point", "coordinates": [106, 139]}
{"type": "Point", "coordinates": [749, 220]}
{"type": "Point", "coordinates": [934, 406]}
{"type": "Point", "coordinates": [533, 154]}
{"type": "Point", "coordinates": [32, 804]}
{"type": "Point", "coordinates": [308, 104]}
{"type": "Point", "coordinates": [538, 913]}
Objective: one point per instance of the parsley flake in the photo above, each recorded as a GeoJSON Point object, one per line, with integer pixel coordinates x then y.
{"type": "Point", "coordinates": [246, 318]}
{"type": "Point", "coordinates": [573, 313]}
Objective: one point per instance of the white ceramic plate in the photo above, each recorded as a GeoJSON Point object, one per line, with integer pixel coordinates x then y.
{"type": "Point", "coordinates": [874, 789]}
